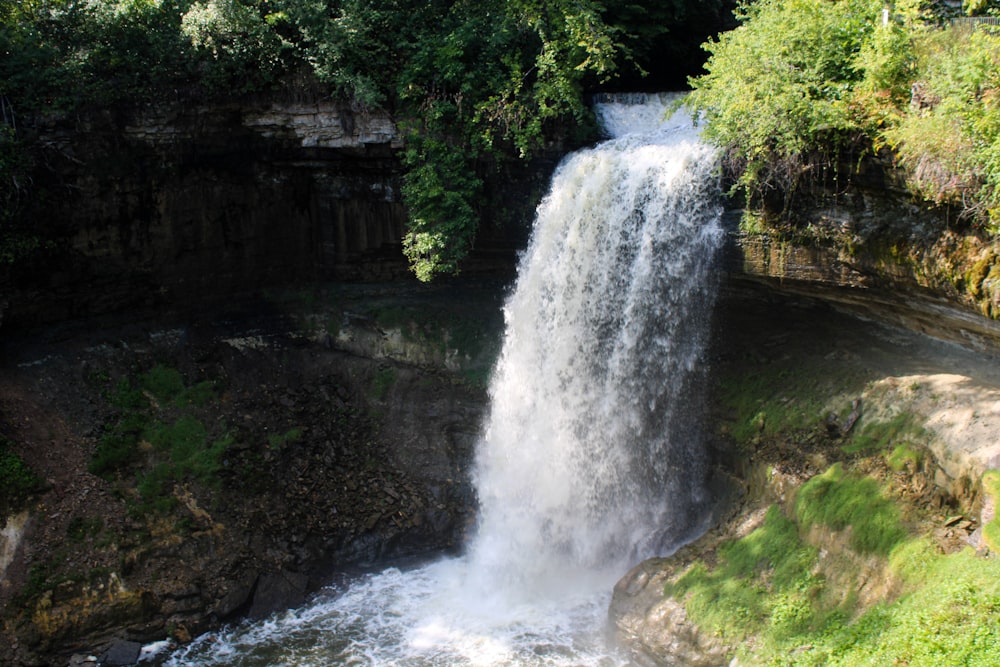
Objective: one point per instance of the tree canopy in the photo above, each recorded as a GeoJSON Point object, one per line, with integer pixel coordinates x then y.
{"type": "Point", "coordinates": [469, 80]}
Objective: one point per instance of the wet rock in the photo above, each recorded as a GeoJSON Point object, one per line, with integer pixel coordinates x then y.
{"type": "Point", "coordinates": [278, 591]}
{"type": "Point", "coordinates": [654, 628]}
{"type": "Point", "coordinates": [122, 652]}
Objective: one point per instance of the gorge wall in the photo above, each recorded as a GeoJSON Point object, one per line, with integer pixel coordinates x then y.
{"type": "Point", "coordinates": [860, 240]}
{"type": "Point", "coordinates": [177, 206]}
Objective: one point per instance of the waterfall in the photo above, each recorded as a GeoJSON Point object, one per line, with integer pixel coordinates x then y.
{"type": "Point", "coordinates": [587, 460]}
{"type": "Point", "coordinates": [590, 458]}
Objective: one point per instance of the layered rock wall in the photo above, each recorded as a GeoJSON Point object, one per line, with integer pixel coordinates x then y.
{"type": "Point", "coordinates": [181, 204]}
{"type": "Point", "coordinates": [864, 244]}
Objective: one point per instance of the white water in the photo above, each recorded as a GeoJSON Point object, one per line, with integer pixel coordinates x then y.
{"type": "Point", "coordinates": [588, 461]}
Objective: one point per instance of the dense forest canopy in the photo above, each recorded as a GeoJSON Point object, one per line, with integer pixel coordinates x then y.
{"type": "Point", "coordinates": [470, 81]}
{"type": "Point", "coordinates": [801, 82]}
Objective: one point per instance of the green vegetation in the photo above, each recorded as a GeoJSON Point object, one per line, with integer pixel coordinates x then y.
{"type": "Point", "coordinates": [17, 481]}
{"type": "Point", "coordinates": [761, 581]}
{"type": "Point", "coordinates": [801, 85]}
{"type": "Point", "coordinates": [838, 500]}
{"type": "Point", "coordinates": [471, 83]}
{"type": "Point", "coordinates": [778, 400]}
{"type": "Point", "coordinates": [777, 600]}
{"type": "Point", "coordinates": [155, 432]}
{"type": "Point", "coordinates": [991, 531]}
{"type": "Point", "coordinates": [382, 382]}
{"type": "Point", "coordinates": [778, 87]}
{"type": "Point", "coordinates": [879, 436]}
{"type": "Point", "coordinates": [278, 441]}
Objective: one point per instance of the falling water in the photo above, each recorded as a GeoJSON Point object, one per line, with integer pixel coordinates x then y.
{"type": "Point", "coordinates": [589, 459]}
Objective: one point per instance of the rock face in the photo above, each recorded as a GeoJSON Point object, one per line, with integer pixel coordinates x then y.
{"type": "Point", "coordinates": [864, 244]}
{"type": "Point", "coordinates": [180, 206]}
{"type": "Point", "coordinates": [335, 459]}
{"type": "Point", "coordinates": [654, 628]}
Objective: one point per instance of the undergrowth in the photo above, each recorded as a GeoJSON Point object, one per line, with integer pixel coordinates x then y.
{"type": "Point", "coordinates": [877, 436]}
{"type": "Point", "coordinates": [156, 432]}
{"type": "Point", "coordinates": [839, 500]}
{"type": "Point", "coordinates": [778, 600]}
{"type": "Point", "coordinates": [991, 531]}
{"type": "Point", "coordinates": [775, 400]}
{"type": "Point", "coordinates": [17, 481]}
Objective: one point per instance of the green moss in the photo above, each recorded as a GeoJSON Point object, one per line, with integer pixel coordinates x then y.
{"type": "Point", "coordinates": [126, 396]}
{"type": "Point", "coordinates": [163, 383]}
{"type": "Point", "coordinates": [775, 401]}
{"type": "Point", "coordinates": [277, 441]}
{"type": "Point", "coordinates": [877, 436]}
{"type": "Point", "coordinates": [198, 395]}
{"type": "Point", "coordinates": [778, 601]}
{"type": "Point", "coordinates": [182, 448]}
{"type": "Point", "coordinates": [762, 582]}
{"type": "Point", "coordinates": [81, 528]}
{"type": "Point", "coordinates": [977, 274]}
{"type": "Point", "coordinates": [382, 382]}
{"type": "Point", "coordinates": [118, 445]}
{"type": "Point", "coordinates": [839, 501]}
{"type": "Point", "coordinates": [17, 481]}
{"type": "Point", "coordinates": [991, 531]}
{"type": "Point", "coordinates": [903, 458]}
{"type": "Point", "coordinates": [951, 616]}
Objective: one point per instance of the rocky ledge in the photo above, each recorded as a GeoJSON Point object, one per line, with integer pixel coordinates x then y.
{"type": "Point", "coordinates": [195, 471]}
{"type": "Point", "coordinates": [807, 398]}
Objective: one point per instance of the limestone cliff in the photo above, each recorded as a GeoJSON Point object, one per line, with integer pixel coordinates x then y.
{"type": "Point", "coordinates": [862, 241]}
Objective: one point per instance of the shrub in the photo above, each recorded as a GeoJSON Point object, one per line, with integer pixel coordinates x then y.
{"type": "Point", "coordinates": [163, 383]}
{"type": "Point", "coordinates": [777, 88]}
{"type": "Point", "coordinates": [949, 142]}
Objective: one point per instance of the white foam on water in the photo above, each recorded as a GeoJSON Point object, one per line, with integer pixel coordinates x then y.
{"type": "Point", "coordinates": [588, 460]}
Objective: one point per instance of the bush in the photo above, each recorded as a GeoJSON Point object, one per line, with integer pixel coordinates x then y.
{"type": "Point", "coordinates": [778, 87]}
{"type": "Point", "coordinates": [949, 141]}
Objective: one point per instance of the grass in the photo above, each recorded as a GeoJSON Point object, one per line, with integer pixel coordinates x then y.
{"type": "Point", "coordinates": [778, 600]}
{"type": "Point", "coordinates": [951, 616]}
{"type": "Point", "coordinates": [904, 457]}
{"type": "Point", "coordinates": [773, 401]}
{"type": "Point", "coordinates": [279, 440]}
{"type": "Point", "coordinates": [382, 382]}
{"type": "Point", "coordinates": [877, 436]}
{"type": "Point", "coordinates": [991, 531]}
{"type": "Point", "coordinates": [762, 583]}
{"type": "Point", "coordinates": [839, 501]}
{"type": "Point", "coordinates": [167, 386]}
{"type": "Point", "coordinates": [157, 408]}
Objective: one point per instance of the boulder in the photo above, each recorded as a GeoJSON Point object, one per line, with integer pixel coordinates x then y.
{"type": "Point", "coordinates": [654, 628]}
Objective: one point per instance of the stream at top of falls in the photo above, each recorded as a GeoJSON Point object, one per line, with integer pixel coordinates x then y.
{"type": "Point", "coordinates": [591, 456]}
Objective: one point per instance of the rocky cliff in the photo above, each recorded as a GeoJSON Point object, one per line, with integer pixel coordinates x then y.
{"type": "Point", "coordinates": [256, 455]}
{"type": "Point", "coordinates": [860, 240]}
{"type": "Point", "coordinates": [177, 206]}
